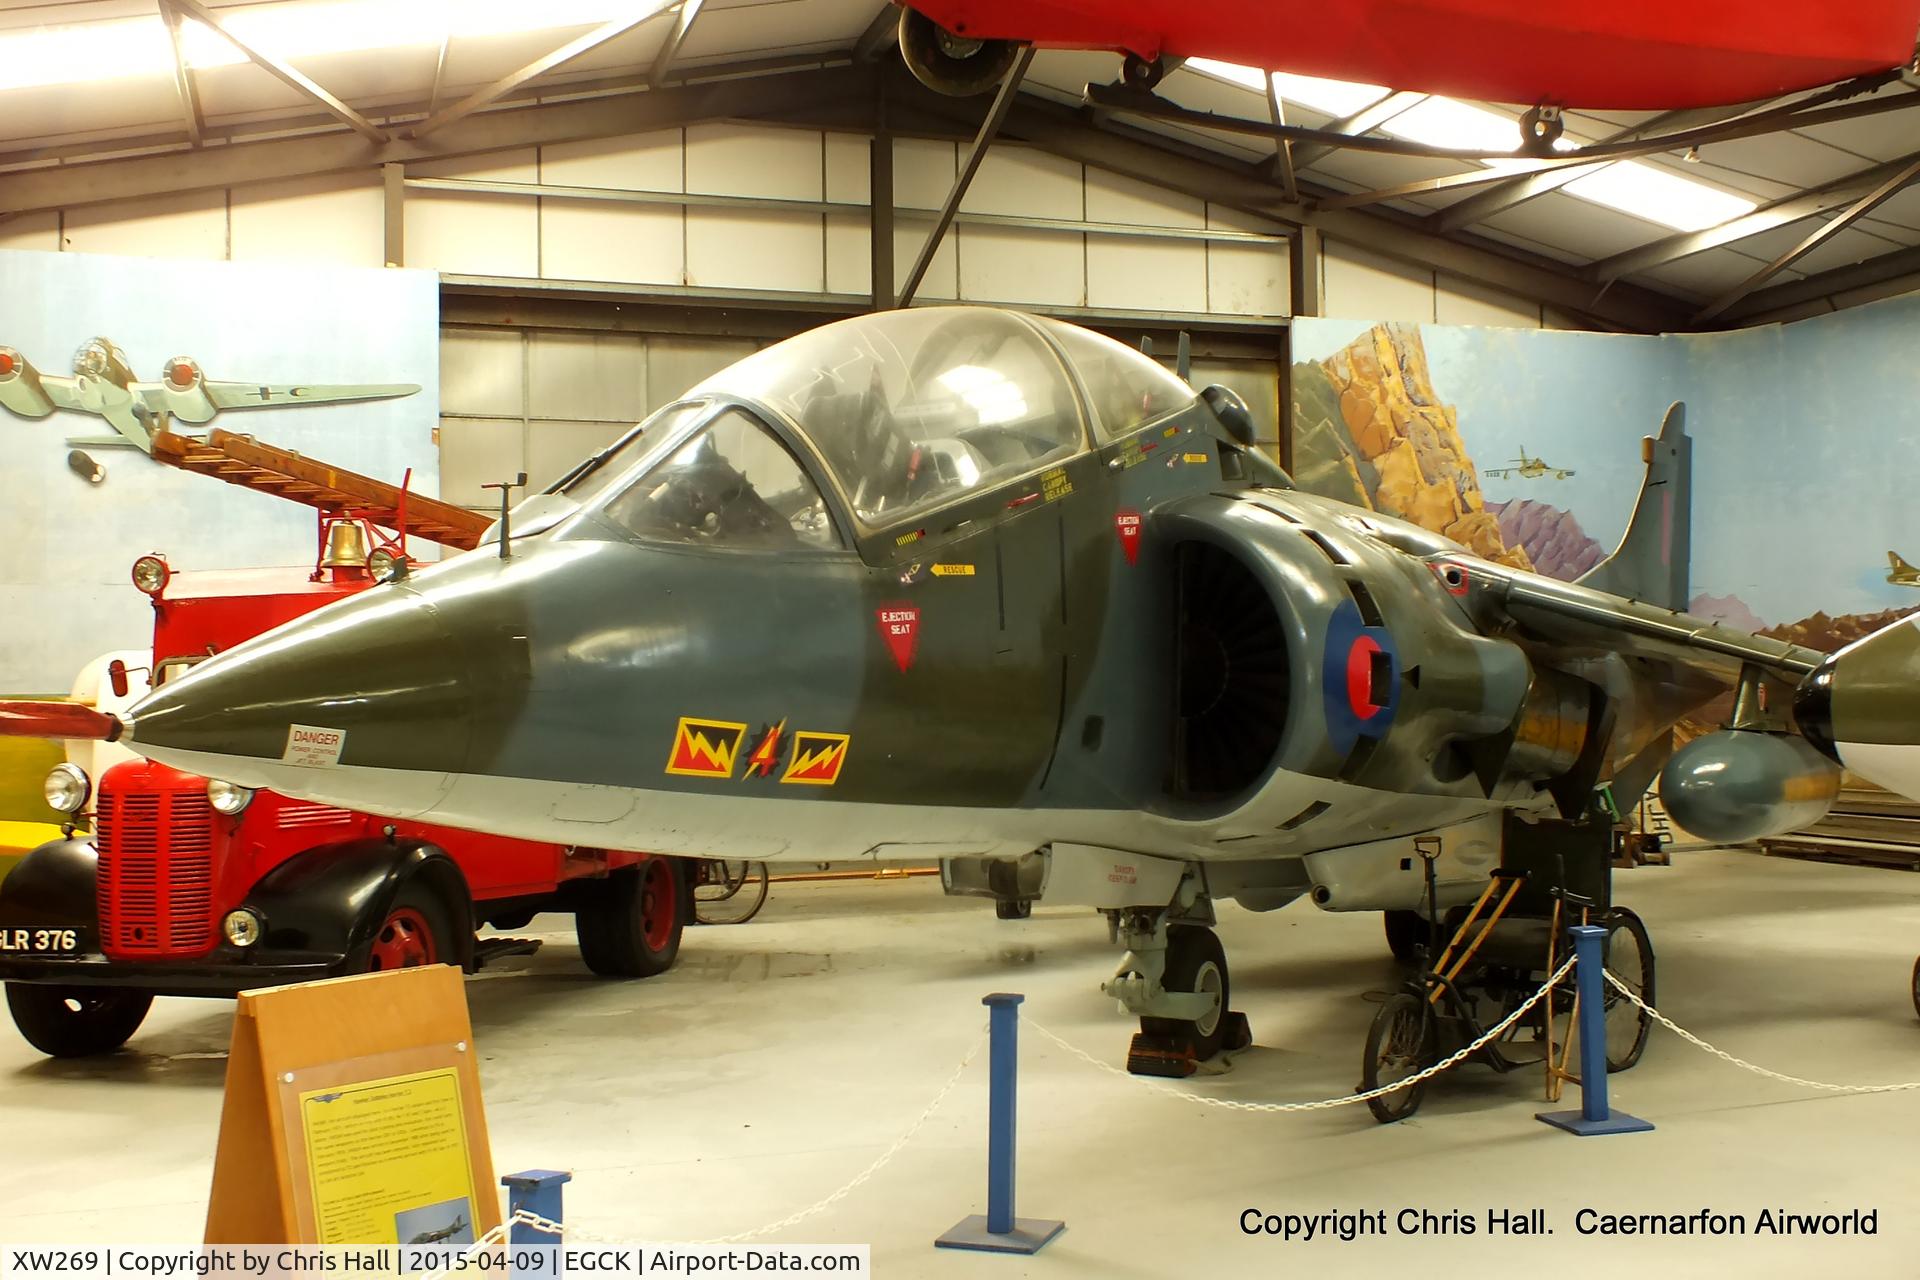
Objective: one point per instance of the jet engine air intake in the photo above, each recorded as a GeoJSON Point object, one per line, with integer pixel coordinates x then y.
{"type": "Point", "coordinates": [1232, 680]}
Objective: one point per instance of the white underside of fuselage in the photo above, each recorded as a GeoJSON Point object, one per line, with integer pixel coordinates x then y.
{"type": "Point", "coordinates": [1893, 765]}
{"type": "Point", "coordinates": [778, 829]}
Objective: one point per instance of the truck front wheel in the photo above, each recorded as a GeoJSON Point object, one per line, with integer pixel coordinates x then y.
{"type": "Point", "coordinates": [416, 931]}
{"type": "Point", "coordinates": [76, 1022]}
{"type": "Point", "coordinates": [631, 927]}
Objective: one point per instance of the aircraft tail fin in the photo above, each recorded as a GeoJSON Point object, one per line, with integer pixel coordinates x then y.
{"type": "Point", "coordinates": [1899, 563]}
{"type": "Point", "coordinates": [1650, 564]}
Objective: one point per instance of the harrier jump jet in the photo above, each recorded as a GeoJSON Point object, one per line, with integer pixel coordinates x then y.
{"type": "Point", "coordinates": [966, 584]}
{"type": "Point", "coordinates": [103, 384]}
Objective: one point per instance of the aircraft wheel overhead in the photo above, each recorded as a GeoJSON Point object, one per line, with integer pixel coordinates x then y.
{"type": "Point", "coordinates": [76, 1022]}
{"type": "Point", "coordinates": [1014, 909]}
{"type": "Point", "coordinates": [1630, 959]}
{"type": "Point", "coordinates": [1916, 986]}
{"type": "Point", "coordinates": [632, 927]}
{"type": "Point", "coordinates": [1400, 1044]}
{"type": "Point", "coordinates": [1197, 963]}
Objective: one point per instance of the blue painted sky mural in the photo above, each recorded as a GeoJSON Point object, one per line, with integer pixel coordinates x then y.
{"type": "Point", "coordinates": [1801, 437]}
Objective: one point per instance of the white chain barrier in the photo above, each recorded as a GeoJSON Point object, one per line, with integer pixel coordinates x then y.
{"type": "Point", "coordinates": [521, 1217]}
{"type": "Point", "coordinates": [1233, 1104]}
{"type": "Point", "coordinates": [1742, 1063]}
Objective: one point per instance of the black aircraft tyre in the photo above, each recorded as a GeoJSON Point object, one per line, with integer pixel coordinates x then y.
{"type": "Point", "coordinates": [76, 1022]}
{"type": "Point", "coordinates": [631, 927]}
{"type": "Point", "coordinates": [1629, 958]}
{"type": "Point", "coordinates": [1400, 1044]}
{"type": "Point", "coordinates": [1013, 908]}
{"type": "Point", "coordinates": [1916, 988]}
{"type": "Point", "coordinates": [1406, 934]}
{"type": "Point", "coordinates": [957, 66]}
{"type": "Point", "coordinates": [1196, 962]}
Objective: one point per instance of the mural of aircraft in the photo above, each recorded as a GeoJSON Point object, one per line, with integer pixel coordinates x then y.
{"type": "Point", "coordinates": [961, 583]}
{"type": "Point", "coordinates": [103, 384]}
{"type": "Point", "coordinates": [448, 1232]}
{"type": "Point", "coordinates": [1900, 573]}
{"type": "Point", "coordinates": [1528, 467]}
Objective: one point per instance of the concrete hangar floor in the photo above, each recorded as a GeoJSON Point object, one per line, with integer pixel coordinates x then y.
{"type": "Point", "coordinates": [781, 1057]}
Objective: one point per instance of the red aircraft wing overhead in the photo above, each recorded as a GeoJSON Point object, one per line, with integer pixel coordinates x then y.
{"type": "Point", "coordinates": [1636, 54]}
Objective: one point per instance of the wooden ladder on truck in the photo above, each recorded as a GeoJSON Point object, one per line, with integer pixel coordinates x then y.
{"type": "Point", "coordinates": [245, 461]}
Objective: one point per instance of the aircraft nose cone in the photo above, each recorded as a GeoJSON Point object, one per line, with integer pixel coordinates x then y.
{"type": "Point", "coordinates": [366, 700]}
{"type": "Point", "coordinates": [1861, 706]}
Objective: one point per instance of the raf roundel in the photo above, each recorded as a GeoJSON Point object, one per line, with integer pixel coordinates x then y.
{"type": "Point", "coordinates": [1360, 678]}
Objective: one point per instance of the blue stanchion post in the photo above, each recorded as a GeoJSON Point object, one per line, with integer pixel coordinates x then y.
{"type": "Point", "coordinates": [538, 1192]}
{"type": "Point", "coordinates": [1000, 1230]}
{"type": "Point", "coordinates": [1594, 1116]}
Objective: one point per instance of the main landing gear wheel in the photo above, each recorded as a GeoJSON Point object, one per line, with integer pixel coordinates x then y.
{"type": "Point", "coordinates": [1916, 987]}
{"type": "Point", "coordinates": [945, 62]}
{"type": "Point", "coordinates": [1399, 1045]}
{"type": "Point", "coordinates": [76, 1022]}
{"type": "Point", "coordinates": [1196, 962]}
{"type": "Point", "coordinates": [418, 930]}
{"type": "Point", "coordinates": [1629, 955]}
{"type": "Point", "coordinates": [1013, 908]}
{"type": "Point", "coordinates": [631, 928]}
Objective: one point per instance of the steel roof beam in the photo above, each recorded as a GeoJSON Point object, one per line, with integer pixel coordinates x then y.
{"type": "Point", "coordinates": [1003, 100]}
{"type": "Point", "coordinates": [183, 81]}
{"type": "Point", "coordinates": [670, 49]}
{"type": "Point", "coordinates": [1890, 187]}
{"type": "Point", "coordinates": [1517, 191]}
{"type": "Point", "coordinates": [1779, 213]}
{"type": "Point", "coordinates": [283, 72]}
{"type": "Point", "coordinates": [1860, 282]}
{"type": "Point", "coordinates": [879, 35]}
{"type": "Point", "coordinates": [534, 70]}
{"type": "Point", "coordinates": [1363, 121]}
{"type": "Point", "coordinates": [241, 163]}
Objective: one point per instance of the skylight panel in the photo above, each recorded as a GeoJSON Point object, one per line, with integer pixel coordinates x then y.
{"type": "Point", "coordinates": [88, 52]}
{"type": "Point", "coordinates": [1629, 186]}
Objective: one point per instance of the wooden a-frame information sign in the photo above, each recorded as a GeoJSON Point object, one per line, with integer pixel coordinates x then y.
{"type": "Point", "coordinates": [353, 1116]}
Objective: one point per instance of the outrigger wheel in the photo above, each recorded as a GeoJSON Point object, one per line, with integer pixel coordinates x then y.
{"type": "Point", "coordinates": [1196, 963]}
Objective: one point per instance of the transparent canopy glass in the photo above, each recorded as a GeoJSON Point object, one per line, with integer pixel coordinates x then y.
{"type": "Point", "coordinates": [913, 408]}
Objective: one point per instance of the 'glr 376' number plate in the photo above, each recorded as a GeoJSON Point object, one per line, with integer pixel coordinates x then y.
{"type": "Point", "coordinates": [38, 942]}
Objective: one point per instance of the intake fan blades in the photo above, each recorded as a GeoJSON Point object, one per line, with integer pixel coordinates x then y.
{"type": "Point", "coordinates": [1232, 682]}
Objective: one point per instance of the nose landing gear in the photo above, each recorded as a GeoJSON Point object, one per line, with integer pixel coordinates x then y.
{"type": "Point", "coordinates": [1175, 980]}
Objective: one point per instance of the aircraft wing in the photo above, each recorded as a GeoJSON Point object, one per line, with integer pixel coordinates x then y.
{"type": "Point", "coordinates": [1567, 613]}
{"type": "Point", "coordinates": [252, 395]}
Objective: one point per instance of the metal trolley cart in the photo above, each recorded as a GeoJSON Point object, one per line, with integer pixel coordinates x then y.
{"type": "Point", "coordinates": [1499, 952]}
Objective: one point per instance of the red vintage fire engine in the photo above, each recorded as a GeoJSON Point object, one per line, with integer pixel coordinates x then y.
{"type": "Point", "coordinates": [192, 886]}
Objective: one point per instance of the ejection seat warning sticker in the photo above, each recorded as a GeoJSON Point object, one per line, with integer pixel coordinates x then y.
{"type": "Point", "coordinates": [388, 1161]}
{"type": "Point", "coordinates": [314, 747]}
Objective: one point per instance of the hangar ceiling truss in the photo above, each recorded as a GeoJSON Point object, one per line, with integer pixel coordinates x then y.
{"type": "Point", "coordinates": [1793, 240]}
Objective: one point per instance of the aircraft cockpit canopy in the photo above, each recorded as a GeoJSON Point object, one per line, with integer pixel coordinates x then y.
{"type": "Point", "coordinates": [914, 409]}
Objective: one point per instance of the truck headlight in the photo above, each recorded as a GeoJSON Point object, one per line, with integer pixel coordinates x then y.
{"type": "Point", "coordinates": [68, 788]}
{"type": "Point", "coordinates": [150, 574]}
{"type": "Point", "coordinates": [242, 928]}
{"type": "Point", "coordinates": [227, 797]}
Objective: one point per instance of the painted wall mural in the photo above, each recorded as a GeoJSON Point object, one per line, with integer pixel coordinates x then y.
{"type": "Point", "coordinates": [271, 331]}
{"type": "Point", "coordinates": [1523, 444]}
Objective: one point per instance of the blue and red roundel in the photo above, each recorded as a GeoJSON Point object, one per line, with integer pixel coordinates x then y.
{"type": "Point", "coordinates": [1360, 678]}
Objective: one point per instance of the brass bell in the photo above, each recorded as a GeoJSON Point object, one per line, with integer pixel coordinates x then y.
{"type": "Point", "coordinates": [346, 546]}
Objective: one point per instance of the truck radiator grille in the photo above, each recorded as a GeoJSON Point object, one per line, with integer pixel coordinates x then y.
{"type": "Point", "coordinates": [156, 873]}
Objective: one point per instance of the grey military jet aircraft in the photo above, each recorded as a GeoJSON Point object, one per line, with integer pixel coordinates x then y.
{"type": "Point", "coordinates": [103, 384]}
{"type": "Point", "coordinates": [966, 584]}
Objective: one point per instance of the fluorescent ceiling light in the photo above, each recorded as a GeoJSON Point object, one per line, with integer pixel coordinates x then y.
{"type": "Point", "coordinates": [1630, 186]}
{"type": "Point", "coordinates": [92, 51]}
